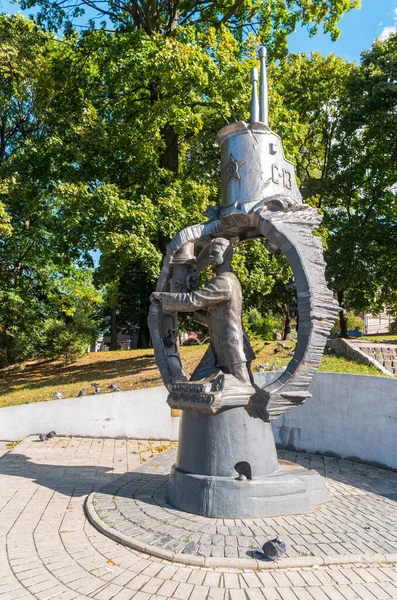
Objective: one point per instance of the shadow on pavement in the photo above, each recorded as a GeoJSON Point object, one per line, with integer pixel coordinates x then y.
{"type": "Point", "coordinates": [81, 479]}
{"type": "Point", "coordinates": [70, 480]}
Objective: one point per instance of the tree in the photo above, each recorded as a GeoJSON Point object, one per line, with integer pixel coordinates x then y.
{"type": "Point", "coordinates": [162, 78]}
{"type": "Point", "coordinates": [82, 170]}
{"type": "Point", "coordinates": [338, 125]}
{"type": "Point", "coordinates": [308, 91]}
{"type": "Point", "coordinates": [44, 266]}
{"type": "Point", "coordinates": [128, 119]}
{"type": "Point", "coordinates": [361, 205]}
{"type": "Point", "coordinates": [272, 20]}
{"type": "Point", "coordinates": [145, 202]}
{"type": "Point", "coordinates": [182, 21]}
{"type": "Point", "coordinates": [183, 84]}
{"type": "Point", "coordinates": [263, 277]}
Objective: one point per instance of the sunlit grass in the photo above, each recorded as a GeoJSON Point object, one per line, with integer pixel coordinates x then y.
{"type": "Point", "coordinates": [36, 381]}
{"type": "Point", "coordinates": [378, 339]}
{"type": "Point", "coordinates": [332, 363]}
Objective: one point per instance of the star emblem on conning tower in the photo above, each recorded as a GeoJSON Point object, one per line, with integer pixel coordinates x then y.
{"type": "Point", "coordinates": [232, 169]}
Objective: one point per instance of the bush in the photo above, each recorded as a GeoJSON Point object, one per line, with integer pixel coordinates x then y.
{"type": "Point", "coordinates": [354, 322]}
{"type": "Point", "coordinates": [53, 338]}
{"type": "Point", "coordinates": [18, 346]}
{"type": "Point", "coordinates": [69, 338]}
{"type": "Point", "coordinates": [261, 327]}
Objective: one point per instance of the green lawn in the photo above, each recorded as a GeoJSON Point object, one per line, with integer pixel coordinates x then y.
{"type": "Point", "coordinates": [378, 339]}
{"type": "Point", "coordinates": [36, 381]}
{"type": "Point", "coordinates": [332, 363]}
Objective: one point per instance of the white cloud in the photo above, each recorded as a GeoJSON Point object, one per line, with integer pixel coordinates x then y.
{"type": "Point", "coordinates": [389, 29]}
{"type": "Point", "coordinates": [386, 33]}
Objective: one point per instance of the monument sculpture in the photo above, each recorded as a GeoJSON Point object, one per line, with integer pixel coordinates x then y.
{"type": "Point", "coordinates": [219, 307]}
{"type": "Point", "coordinates": [227, 462]}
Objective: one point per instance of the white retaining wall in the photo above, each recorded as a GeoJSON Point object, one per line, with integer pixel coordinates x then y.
{"type": "Point", "coordinates": [140, 414]}
{"type": "Point", "coordinates": [349, 416]}
{"type": "Point", "coordinates": [352, 416]}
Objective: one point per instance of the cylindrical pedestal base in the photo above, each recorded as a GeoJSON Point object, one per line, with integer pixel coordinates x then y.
{"type": "Point", "coordinates": [215, 444]}
{"type": "Point", "coordinates": [227, 467]}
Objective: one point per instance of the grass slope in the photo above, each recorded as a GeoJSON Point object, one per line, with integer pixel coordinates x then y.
{"type": "Point", "coordinates": [36, 381]}
{"type": "Point", "coordinates": [378, 339]}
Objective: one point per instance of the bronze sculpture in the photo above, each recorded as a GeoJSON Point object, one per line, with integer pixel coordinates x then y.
{"type": "Point", "coordinates": [218, 306]}
{"type": "Point", "coordinates": [227, 462]}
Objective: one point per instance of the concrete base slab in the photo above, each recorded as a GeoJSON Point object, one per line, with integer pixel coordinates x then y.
{"type": "Point", "coordinates": [289, 490]}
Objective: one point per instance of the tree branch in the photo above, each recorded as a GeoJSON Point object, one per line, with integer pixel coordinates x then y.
{"type": "Point", "coordinates": [2, 139]}
{"type": "Point", "coordinates": [230, 13]}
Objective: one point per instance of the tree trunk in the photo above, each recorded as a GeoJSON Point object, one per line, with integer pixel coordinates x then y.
{"type": "Point", "coordinates": [170, 157]}
{"type": "Point", "coordinates": [144, 305]}
{"type": "Point", "coordinates": [287, 327]}
{"type": "Point", "coordinates": [143, 336]}
{"type": "Point", "coordinates": [342, 315]}
{"type": "Point", "coordinates": [113, 328]}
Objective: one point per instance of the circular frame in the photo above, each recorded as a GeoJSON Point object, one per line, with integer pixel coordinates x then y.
{"type": "Point", "coordinates": [287, 231]}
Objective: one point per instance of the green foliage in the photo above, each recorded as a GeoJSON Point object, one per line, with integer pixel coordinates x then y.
{"type": "Point", "coordinates": [308, 93]}
{"type": "Point", "coordinates": [353, 322]}
{"type": "Point", "coordinates": [262, 327]}
{"type": "Point", "coordinates": [44, 261]}
{"type": "Point", "coordinates": [122, 157]}
{"type": "Point", "coordinates": [271, 20]}
{"type": "Point", "coordinates": [5, 222]}
{"type": "Point", "coordinates": [263, 277]}
{"type": "Point", "coordinates": [110, 148]}
{"type": "Point", "coordinates": [68, 339]}
{"type": "Point", "coordinates": [339, 123]}
{"type": "Point", "coordinates": [19, 339]}
{"type": "Point", "coordinates": [26, 311]}
{"type": "Point", "coordinates": [361, 206]}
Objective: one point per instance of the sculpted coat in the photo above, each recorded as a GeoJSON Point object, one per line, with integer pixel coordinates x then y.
{"type": "Point", "coordinates": [218, 305]}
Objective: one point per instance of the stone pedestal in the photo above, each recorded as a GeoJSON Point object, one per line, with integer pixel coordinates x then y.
{"type": "Point", "coordinates": [227, 467]}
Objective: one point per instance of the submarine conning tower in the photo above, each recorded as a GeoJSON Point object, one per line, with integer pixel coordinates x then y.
{"type": "Point", "coordinates": [254, 168]}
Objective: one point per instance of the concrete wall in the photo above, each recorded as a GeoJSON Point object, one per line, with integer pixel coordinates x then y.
{"type": "Point", "coordinates": [352, 416]}
{"type": "Point", "coordinates": [139, 414]}
{"type": "Point", "coordinates": [348, 416]}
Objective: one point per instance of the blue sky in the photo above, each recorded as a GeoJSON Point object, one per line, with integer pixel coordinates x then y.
{"type": "Point", "coordinates": [359, 28]}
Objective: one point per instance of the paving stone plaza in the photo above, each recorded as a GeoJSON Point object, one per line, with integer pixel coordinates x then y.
{"type": "Point", "coordinates": [50, 550]}
{"type": "Point", "coordinates": [360, 520]}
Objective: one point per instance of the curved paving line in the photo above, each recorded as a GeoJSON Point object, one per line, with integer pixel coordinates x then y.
{"type": "Point", "coordinates": [234, 563]}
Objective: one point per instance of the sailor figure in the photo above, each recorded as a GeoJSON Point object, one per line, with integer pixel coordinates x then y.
{"type": "Point", "coordinates": [219, 306]}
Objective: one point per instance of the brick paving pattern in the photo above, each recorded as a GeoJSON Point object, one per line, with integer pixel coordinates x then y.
{"type": "Point", "coordinates": [49, 550]}
{"type": "Point", "coordinates": [361, 517]}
